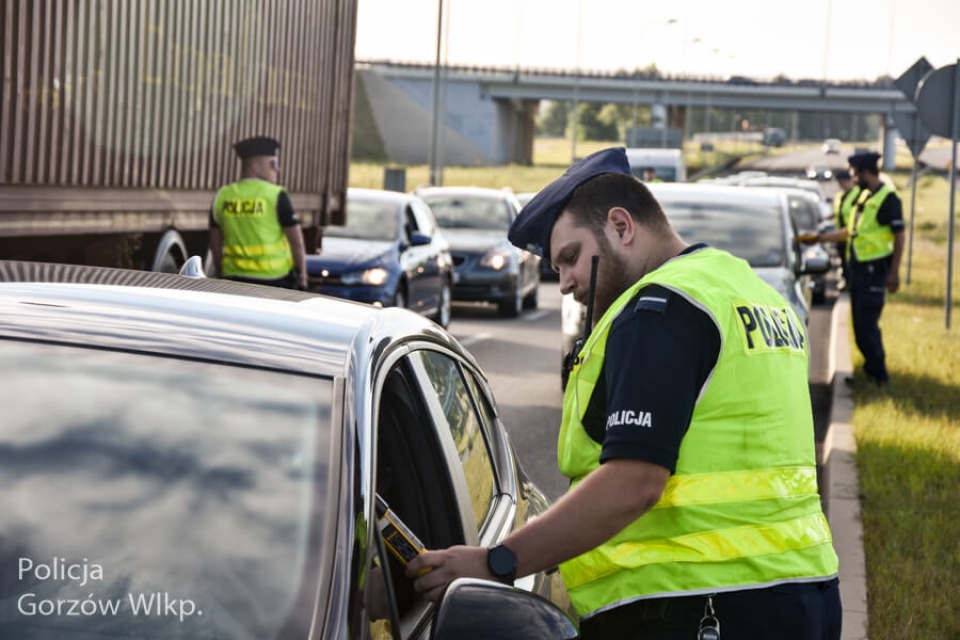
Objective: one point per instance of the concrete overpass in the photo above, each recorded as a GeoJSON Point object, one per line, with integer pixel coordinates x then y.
{"type": "Point", "coordinates": [493, 108]}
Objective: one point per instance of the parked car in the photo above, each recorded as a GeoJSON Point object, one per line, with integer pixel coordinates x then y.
{"type": "Point", "coordinates": [818, 172]}
{"type": "Point", "coordinates": [389, 253]}
{"type": "Point", "coordinates": [806, 213]}
{"type": "Point", "coordinates": [668, 164]}
{"type": "Point", "coordinates": [184, 458]}
{"type": "Point", "coordinates": [753, 224]}
{"type": "Point", "coordinates": [777, 182]}
{"type": "Point", "coordinates": [489, 269]}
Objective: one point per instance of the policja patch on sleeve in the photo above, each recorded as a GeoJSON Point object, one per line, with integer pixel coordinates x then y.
{"type": "Point", "coordinates": [655, 303]}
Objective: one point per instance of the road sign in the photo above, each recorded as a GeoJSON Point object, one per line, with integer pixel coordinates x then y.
{"type": "Point", "coordinates": [912, 131]}
{"type": "Point", "coordinates": [935, 101]}
{"type": "Point", "coordinates": [907, 83]}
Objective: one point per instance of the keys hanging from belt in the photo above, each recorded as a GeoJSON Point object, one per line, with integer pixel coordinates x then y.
{"type": "Point", "coordinates": [709, 623]}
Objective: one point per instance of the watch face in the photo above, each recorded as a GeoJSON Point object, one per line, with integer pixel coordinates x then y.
{"type": "Point", "coordinates": [502, 562]}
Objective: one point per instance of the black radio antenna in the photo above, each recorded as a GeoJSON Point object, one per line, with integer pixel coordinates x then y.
{"type": "Point", "coordinates": [594, 261]}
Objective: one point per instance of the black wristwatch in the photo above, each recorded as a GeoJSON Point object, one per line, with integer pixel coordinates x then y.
{"type": "Point", "coordinates": [502, 563]}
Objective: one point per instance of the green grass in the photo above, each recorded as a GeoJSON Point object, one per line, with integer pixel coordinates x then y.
{"type": "Point", "coordinates": [908, 440]}
{"type": "Point", "coordinates": [551, 157]}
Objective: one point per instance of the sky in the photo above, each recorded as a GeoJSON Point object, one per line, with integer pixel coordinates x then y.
{"type": "Point", "coordinates": [832, 39]}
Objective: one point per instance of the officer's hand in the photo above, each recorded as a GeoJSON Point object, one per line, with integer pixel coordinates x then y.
{"type": "Point", "coordinates": [809, 238]}
{"type": "Point", "coordinates": [440, 568]}
{"type": "Point", "coordinates": [893, 281]}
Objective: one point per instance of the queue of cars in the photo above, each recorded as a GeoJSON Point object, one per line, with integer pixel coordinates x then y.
{"type": "Point", "coordinates": [194, 458]}
{"type": "Point", "coordinates": [758, 225]}
{"type": "Point", "coordinates": [423, 250]}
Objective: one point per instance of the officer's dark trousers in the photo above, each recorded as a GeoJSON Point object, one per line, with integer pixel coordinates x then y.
{"type": "Point", "coordinates": [868, 286]}
{"type": "Point", "coordinates": [807, 611]}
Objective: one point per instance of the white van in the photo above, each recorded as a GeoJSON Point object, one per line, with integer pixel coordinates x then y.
{"type": "Point", "coordinates": [668, 163]}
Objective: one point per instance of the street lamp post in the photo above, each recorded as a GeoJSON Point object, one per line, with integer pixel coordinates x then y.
{"type": "Point", "coordinates": [434, 151]}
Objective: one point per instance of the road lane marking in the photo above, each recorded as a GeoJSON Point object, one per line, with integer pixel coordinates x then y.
{"type": "Point", "coordinates": [469, 340]}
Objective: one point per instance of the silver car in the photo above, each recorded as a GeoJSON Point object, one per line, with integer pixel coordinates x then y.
{"type": "Point", "coordinates": [193, 458]}
{"type": "Point", "coordinates": [753, 224]}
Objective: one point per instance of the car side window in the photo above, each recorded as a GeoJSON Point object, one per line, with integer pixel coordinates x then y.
{"type": "Point", "coordinates": [409, 222]}
{"type": "Point", "coordinates": [466, 427]}
{"type": "Point", "coordinates": [424, 218]}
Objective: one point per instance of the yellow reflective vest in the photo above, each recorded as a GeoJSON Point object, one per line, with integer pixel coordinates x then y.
{"type": "Point", "coordinates": [870, 239]}
{"type": "Point", "coordinates": [254, 243]}
{"type": "Point", "coordinates": [843, 204]}
{"type": "Point", "coordinates": [742, 509]}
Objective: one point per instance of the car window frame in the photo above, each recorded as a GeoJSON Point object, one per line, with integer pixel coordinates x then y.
{"type": "Point", "coordinates": [473, 530]}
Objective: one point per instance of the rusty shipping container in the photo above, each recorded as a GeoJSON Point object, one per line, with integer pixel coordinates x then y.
{"type": "Point", "coordinates": [117, 119]}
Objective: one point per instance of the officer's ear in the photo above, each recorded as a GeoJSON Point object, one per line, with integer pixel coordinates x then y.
{"type": "Point", "coordinates": [622, 223]}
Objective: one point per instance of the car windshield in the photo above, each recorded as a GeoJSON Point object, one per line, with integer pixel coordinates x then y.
{"type": "Point", "coordinates": [131, 482]}
{"type": "Point", "coordinates": [667, 174]}
{"type": "Point", "coordinates": [469, 212]}
{"type": "Point", "coordinates": [367, 219]}
{"type": "Point", "coordinates": [747, 231]}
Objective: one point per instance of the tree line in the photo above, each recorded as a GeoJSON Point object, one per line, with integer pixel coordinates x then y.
{"type": "Point", "coordinates": [609, 121]}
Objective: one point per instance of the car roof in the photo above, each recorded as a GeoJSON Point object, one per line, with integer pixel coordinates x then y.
{"type": "Point", "coordinates": [381, 194]}
{"type": "Point", "coordinates": [717, 193]}
{"type": "Point", "coordinates": [793, 190]}
{"type": "Point", "coordinates": [465, 191]}
{"type": "Point", "coordinates": [195, 318]}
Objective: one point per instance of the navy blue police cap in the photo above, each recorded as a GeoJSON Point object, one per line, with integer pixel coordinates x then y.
{"type": "Point", "coordinates": [864, 160]}
{"type": "Point", "coordinates": [531, 230]}
{"type": "Point", "coordinates": [841, 174]}
{"type": "Point", "coordinates": [256, 146]}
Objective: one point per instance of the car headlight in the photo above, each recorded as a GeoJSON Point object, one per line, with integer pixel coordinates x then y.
{"type": "Point", "coordinates": [372, 277]}
{"type": "Point", "coordinates": [495, 260]}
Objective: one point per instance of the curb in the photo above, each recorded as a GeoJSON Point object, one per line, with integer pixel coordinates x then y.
{"type": "Point", "coordinates": [843, 484]}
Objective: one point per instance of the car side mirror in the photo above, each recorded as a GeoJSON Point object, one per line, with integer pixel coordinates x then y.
{"type": "Point", "coordinates": [480, 610]}
{"type": "Point", "coordinates": [815, 262]}
{"type": "Point", "coordinates": [418, 239]}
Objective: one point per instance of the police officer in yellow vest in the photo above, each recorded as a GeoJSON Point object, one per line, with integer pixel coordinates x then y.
{"type": "Point", "coordinates": [650, 175]}
{"type": "Point", "coordinates": [843, 203]}
{"type": "Point", "coordinates": [874, 248]}
{"type": "Point", "coordinates": [255, 234]}
{"type": "Point", "coordinates": [687, 434]}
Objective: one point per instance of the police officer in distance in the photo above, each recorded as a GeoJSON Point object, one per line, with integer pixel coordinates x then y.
{"type": "Point", "coordinates": [843, 203]}
{"type": "Point", "coordinates": [650, 175]}
{"type": "Point", "coordinates": [874, 240]}
{"type": "Point", "coordinates": [687, 433]}
{"type": "Point", "coordinates": [254, 232]}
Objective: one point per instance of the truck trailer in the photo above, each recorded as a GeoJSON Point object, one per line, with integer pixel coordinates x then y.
{"type": "Point", "coordinates": [117, 119]}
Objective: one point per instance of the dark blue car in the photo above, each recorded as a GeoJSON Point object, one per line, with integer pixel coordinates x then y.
{"type": "Point", "coordinates": [390, 253]}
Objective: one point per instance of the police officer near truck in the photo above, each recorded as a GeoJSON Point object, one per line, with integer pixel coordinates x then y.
{"type": "Point", "coordinates": [687, 434]}
{"type": "Point", "coordinates": [874, 240]}
{"type": "Point", "coordinates": [254, 233]}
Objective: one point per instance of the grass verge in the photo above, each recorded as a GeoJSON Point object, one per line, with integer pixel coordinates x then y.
{"type": "Point", "coordinates": [908, 445]}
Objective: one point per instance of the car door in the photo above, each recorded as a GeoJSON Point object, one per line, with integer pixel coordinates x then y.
{"type": "Point", "coordinates": [435, 470]}
{"type": "Point", "coordinates": [414, 260]}
{"type": "Point", "coordinates": [434, 264]}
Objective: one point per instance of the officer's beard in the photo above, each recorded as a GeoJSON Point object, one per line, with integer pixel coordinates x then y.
{"type": "Point", "coordinates": [612, 278]}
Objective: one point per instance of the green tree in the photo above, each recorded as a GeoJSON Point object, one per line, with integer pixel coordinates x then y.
{"type": "Point", "coordinates": [591, 127]}
{"type": "Point", "coordinates": [556, 116]}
